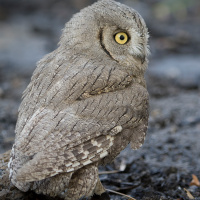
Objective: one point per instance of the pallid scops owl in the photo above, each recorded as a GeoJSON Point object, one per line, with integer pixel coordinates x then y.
{"type": "Point", "coordinates": [86, 101]}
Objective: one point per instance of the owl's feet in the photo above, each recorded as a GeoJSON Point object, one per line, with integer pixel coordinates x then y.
{"type": "Point", "coordinates": [103, 196]}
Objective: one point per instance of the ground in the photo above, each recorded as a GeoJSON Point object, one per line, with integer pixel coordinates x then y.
{"type": "Point", "coordinates": [164, 165]}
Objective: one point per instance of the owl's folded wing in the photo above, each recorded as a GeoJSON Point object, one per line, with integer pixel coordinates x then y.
{"type": "Point", "coordinates": [64, 141]}
{"type": "Point", "coordinates": [61, 146]}
{"type": "Point", "coordinates": [57, 86]}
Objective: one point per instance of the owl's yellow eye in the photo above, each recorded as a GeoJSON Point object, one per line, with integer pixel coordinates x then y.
{"type": "Point", "coordinates": [121, 38]}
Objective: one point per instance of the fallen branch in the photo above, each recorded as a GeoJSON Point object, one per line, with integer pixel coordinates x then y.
{"type": "Point", "coordinates": [118, 193]}
{"type": "Point", "coordinates": [109, 172]}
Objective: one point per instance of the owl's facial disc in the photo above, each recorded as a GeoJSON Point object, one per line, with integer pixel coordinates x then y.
{"type": "Point", "coordinates": [124, 45]}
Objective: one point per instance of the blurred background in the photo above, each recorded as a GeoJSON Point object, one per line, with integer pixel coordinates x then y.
{"type": "Point", "coordinates": [171, 153]}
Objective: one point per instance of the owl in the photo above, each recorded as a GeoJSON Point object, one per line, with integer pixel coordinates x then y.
{"type": "Point", "coordinates": [87, 100]}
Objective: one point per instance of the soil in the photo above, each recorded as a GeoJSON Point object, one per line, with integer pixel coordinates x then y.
{"type": "Point", "coordinates": [163, 167]}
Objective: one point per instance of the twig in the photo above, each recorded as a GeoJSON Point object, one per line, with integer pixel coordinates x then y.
{"type": "Point", "coordinates": [109, 172]}
{"type": "Point", "coordinates": [130, 198]}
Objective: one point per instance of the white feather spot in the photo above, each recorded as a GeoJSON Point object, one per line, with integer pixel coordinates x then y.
{"type": "Point", "coordinates": [87, 162]}
{"type": "Point", "coordinates": [69, 164]}
{"type": "Point", "coordinates": [58, 171]}
{"type": "Point", "coordinates": [70, 170]}
{"type": "Point", "coordinates": [76, 164]}
{"type": "Point", "coordinates": [102, 155]}
{"type": "Point", "coordinates": [86, 153]}
{"type": "Point", "coordinates": [109, 137]}
{"type": "Point", "coordinates": [116, 129]}
{"type": "Point", "coordinates": [85, 156]}
{"type": "Point", "coordinates": [95, 143]}
{"type": "Point", "coordinates": [99, 150]}
{"type": "Point", "coordinates": [92, 156]}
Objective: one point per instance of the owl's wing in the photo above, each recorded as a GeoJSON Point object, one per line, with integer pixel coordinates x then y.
{"type": "Point", "coordinates": [63, 145]}
{"type": "Point", "coordinates": [57, 83]}
{"type": "Point", "coordinates": [81, 134]}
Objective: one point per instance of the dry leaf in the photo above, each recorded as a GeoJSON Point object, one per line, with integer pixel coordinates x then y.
{"type": "Point", "coordinates": [189, 194]}
{"type": "Point", "coordinates": [195, 181]}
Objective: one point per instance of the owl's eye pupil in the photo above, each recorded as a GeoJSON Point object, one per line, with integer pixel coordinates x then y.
{"type": "Point", "coordinates": [121, 38]}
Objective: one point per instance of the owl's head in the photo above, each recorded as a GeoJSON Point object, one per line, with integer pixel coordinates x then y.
{"type": "Point", "coordinates": [109, 30]}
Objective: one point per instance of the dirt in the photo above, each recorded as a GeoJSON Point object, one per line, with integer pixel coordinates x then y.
{"type": "Point", "coordinates": [163, 167]}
